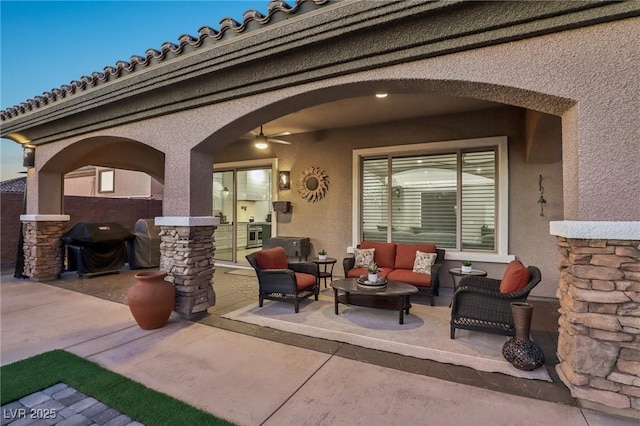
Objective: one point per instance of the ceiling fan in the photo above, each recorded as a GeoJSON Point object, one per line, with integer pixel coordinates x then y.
{"type": "Point", "coordinates": [261, 141]}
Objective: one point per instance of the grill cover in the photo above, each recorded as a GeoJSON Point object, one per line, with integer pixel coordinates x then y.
{"type": "Point", "coordinates": [144, 248]}
{"type": "Point", "coordinates": [96, 247]}
{"type": "Point", "coordinates": [299, 247]}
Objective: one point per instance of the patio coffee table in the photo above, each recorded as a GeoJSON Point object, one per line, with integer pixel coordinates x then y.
{"type": "Point", "coordinates": [394, 296]}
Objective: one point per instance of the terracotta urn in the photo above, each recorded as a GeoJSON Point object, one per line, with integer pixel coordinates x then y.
{"type": "Point", "coordinates": [151, 299]}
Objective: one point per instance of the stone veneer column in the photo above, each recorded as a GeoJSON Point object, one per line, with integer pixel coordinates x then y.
{"type": "Point", "coordinates": [186, 254]}
{"type": "Point", "coordinates": [599, 292]}
{"type": "Point", "coordinates": [42, 246]}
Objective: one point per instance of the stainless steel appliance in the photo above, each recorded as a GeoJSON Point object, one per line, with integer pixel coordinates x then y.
{"type": "Point", "coordinates": [254, 235]}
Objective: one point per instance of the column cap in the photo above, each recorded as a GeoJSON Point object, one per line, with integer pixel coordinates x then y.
{"type": "Point", "coordinates": [45, 217]}
{"type": "Point", "coordinates": [187, 221]}
{"type": "Point", "coordinates": [595, 230]}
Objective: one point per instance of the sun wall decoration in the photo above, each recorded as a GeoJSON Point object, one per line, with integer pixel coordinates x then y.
{"type": "Point", "coordinates": [313, 184]}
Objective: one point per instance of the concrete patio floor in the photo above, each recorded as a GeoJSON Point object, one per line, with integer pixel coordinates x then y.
{"type": "Point", "coordinates": [252, 375]}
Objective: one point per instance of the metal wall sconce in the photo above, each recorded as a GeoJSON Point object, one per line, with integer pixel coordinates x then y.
{"type": "Point", "coordinates": [284, 180]}
{"type": "Point", "coordinates": [28, 156]}
{"type": "Point", "coordinates": [541, 200]}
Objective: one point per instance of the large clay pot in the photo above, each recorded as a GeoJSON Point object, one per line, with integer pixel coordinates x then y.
{"type": "Point", "coordinates": [521, 351]}
{"type": "Point", "coordinates": [151, 299]}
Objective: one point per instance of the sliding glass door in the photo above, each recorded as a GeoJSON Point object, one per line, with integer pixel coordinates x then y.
{"type": "Point", "coordinates": [242, 199]}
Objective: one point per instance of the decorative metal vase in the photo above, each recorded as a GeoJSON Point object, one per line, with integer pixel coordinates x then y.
{"type": "Point", "coordinates": [521, 351]}
{"type": "Point", "coordinates": [151, 299]}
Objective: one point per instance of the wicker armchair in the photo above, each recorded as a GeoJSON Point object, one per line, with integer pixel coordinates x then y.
{"type": "Point", "coordinates": [478, 304]}
{"type": "Point", "coordinates": [291, 285]}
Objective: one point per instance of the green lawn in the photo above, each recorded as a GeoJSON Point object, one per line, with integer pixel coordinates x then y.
{"type": "Point", "coordinates": [128, 397]}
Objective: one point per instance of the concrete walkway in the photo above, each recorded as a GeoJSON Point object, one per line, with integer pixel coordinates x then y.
{"type": "Point", "coordinates": [251, 381]}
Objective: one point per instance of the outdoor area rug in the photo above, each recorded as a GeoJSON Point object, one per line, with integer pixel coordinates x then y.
{"type": "Point", "coordinates": [242, 272]}
{"type": "Point", "coordinates": [424, 334]}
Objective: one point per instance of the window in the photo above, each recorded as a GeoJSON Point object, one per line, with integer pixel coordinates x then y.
{"type": "Point", "coordinates": [445, 193]}
{"type": "Point", "coordinates": [106, 181]}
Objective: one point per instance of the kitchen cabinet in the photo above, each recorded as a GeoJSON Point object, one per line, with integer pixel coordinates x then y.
{"type": "Point", "coordinates": [223, 237]}
{"type": "Point", "coordinates": [252, 186]}
{"type": "Point", "coordinates": [242, 235]}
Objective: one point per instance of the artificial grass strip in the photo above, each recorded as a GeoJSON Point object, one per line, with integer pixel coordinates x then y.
{"type": "Point", "coordinates": [131, 398]}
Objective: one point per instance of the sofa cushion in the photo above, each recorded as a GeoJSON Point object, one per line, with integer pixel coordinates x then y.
{"type": "Point", "coordinates": [304, 280]}
{"type": "Point", "coordinates": [364, 257]}
{"type": "Point", "coordinates": [273, 258]}
{"type": "Point", "coordinates": [410, 277]}
{"type": "Point", "coordinates": [423, 262]}
{"type": "Point", "coordinates": [406, 254]}
{"type": "Point", "coordinates": [385, 255]}
{"type": "Point", "coordinates": [356, 272]}
{"type": "Point", "coordinates": [516, 277]}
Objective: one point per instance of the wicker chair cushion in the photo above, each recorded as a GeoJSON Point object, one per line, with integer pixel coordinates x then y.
{"type": "Point", "coordinates": [385, 255]}
{"type": "Point", "coordinates": [406, 254]}
{"type": "Point", "coordinates": [273, 258]}
{"type": "Point", "coordinates": [516, 277]}
{"type": "Point", "coordinates": [410, 277]}
{"type": "Point", "coordinates": [304, 280]}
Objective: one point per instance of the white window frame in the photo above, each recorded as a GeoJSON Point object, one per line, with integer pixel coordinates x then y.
{"type": "Point", "coordinates": [501, 255]}
{"type": "Point", "coordinates": [106, 185]}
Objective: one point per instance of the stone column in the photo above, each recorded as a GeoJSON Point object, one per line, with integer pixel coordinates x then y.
{"type": "Point", "coordinates": [186, 254]}
{"type": "Point", "coordinates": [43, 254]}
{"type": "Point", "coordinates": [599, 335]}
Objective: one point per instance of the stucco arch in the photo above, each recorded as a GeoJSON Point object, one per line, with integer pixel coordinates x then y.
{"type": "Point", "coordinates": [272, 105]}
{"type": "Point", "coordinates": [107, 151]}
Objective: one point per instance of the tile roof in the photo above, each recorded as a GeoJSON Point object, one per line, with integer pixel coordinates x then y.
{"type": "Point", "coordinates": [16, 185]}
{"type": "Point", "coordinates": [228, 28]}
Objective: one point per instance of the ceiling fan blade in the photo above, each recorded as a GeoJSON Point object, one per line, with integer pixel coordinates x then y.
{"type": "Point", "coordinates": [279, 141]}
{"type": "Point", "coordinates": [275, 135]}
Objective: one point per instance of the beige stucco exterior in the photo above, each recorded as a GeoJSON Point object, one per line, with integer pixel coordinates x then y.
{"type": "Point", "coordinates": [554, 74]}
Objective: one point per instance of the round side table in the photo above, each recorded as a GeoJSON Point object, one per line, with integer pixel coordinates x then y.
{"type": "Point", "coordinates": [326, 272]}
{"type": "Point", "coordinates": [457, 275]}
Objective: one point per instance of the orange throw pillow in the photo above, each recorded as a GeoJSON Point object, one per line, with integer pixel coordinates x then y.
{"type": "Point", "coordinates": [515, 278]}
{"type": "Point", "coordinates": [273, 258]}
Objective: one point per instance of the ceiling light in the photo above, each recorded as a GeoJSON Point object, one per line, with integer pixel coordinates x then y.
{"type": "Point", "coordinates": [261, 141]}
{"type": "Point", "coordinates": [381, 95]}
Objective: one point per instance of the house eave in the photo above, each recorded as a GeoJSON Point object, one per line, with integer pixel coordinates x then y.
{"type": "Point", "coordinates": [298, 50]}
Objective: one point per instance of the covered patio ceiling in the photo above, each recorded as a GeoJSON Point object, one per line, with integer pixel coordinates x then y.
{"type": "Point", "coordinates": [363, 110]}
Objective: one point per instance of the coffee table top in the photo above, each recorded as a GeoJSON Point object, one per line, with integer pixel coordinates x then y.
{"type": "Point", "coordinates": [393, 288]}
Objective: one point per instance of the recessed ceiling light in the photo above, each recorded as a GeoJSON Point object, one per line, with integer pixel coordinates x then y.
{"type": "Point", "coordinates": [381, 95]}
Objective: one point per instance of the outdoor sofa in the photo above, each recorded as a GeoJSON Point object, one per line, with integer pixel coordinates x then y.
{"type": "Point", "coordinates": [397, 262]}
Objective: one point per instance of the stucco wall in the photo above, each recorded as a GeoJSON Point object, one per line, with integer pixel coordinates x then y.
{"type": "Point", "coordinates": [329, 222]}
